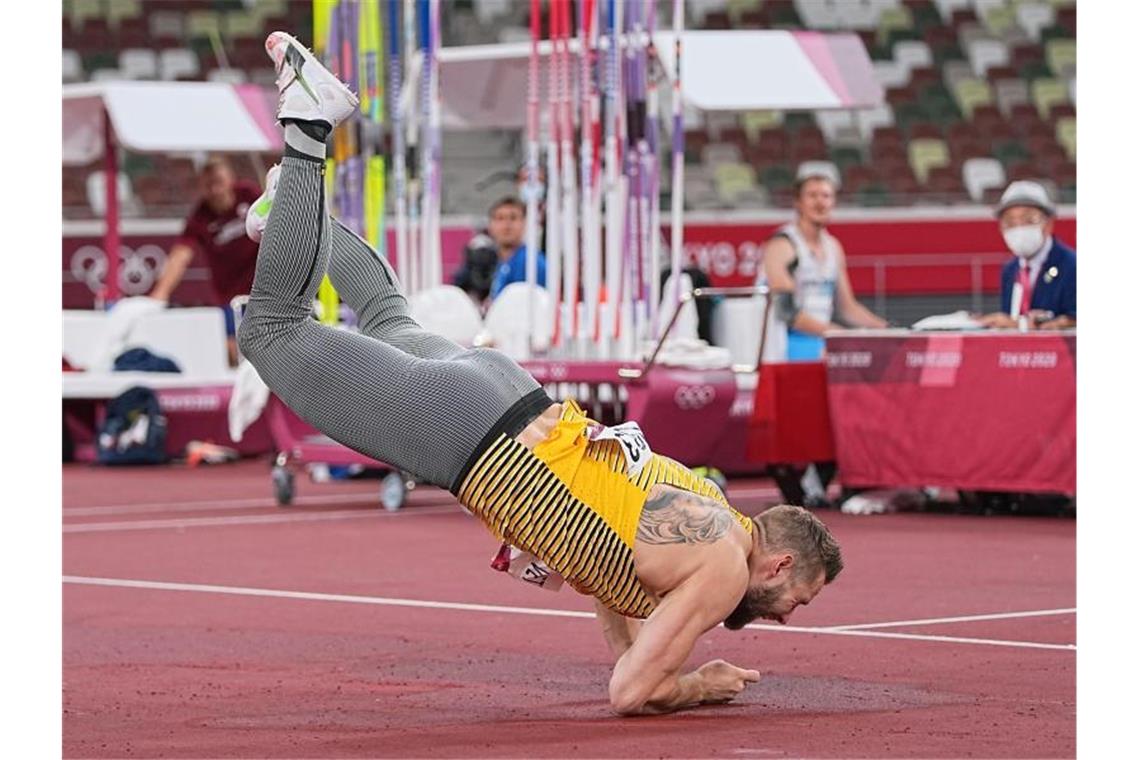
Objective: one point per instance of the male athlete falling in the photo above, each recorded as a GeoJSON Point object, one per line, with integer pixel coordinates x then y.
{"type": "Point", "coordinates": [640, 533]}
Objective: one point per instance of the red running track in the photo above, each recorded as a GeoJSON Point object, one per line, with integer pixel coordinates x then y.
{"type": "Point", "coordinates": [200, 620]}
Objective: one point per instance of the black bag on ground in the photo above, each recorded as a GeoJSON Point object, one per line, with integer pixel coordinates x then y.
{"type": "Point", "coordinates": [134, 431]}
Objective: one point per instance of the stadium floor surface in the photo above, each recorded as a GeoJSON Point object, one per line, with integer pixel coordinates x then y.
{"type": "Point", "coordinates": [201, 620]}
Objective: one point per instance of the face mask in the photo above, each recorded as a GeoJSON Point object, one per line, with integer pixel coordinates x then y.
{"type": "Point", "coordinates": [1024, 241]}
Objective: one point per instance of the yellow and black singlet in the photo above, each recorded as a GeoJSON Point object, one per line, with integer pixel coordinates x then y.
{"type": "Point", "coordinates": [572, 503]}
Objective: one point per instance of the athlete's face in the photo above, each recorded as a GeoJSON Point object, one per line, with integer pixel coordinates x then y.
{"type": "Point", "coordinates": [816, 201]}
{"type": "Point", "coordinates": [507, 226]}
{"type": "Point", "coordinates": [774, 599]}
{"type": "Point", "coordinates": [218, 188]}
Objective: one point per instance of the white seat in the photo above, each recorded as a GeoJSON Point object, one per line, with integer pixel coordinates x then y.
{"type": "Point", "coordinates": [487, 11]}
{"type": "Point", "coordinates": [837, 126]}
{"type": "Point", "coordinates": [1011, 92]}
{"type": "Point", "coordinates": [1033, 17]}
{"type": "Point", "coordinates": [980, 174]}
{"type": "Point", "coordinates": [448, 311]}
{"type": "Point", "coordinates": [913, 54]}
{"type": "Point", "coordinates": [167, 24]}
{"type": "Point", "coordinates": [508, 320]}
{"type": "Point", "coordinates": [985, 53]}
{"type": "Point", "coordinates": [947, 7]}
{"type": "Point", "coordinates": [97, 194]}
{"type": "Point", "coordinates": [868, 119]}
{"type": "Point", "coordinates": [178, 62]}
{"type": "Point", "coordinates": [981, 7]}
{"type": "Point", "coordinates": [229, 76]}
{"type": "Point", "coordinates": [72, 66]}
{"type": "Point", "coordinates": [891, 73]}
{"type": "Point", "coordinates": [818, 14]}
{"type": "Point", "coordinates": [862, 16]}
{"type": "Point", "coordinates": [720, 153]}
{"type": "Point", "coordinates": [954, 72]}
{"type": "Point", "coordinates": [509, 34]}
{"type": "Point", "coordinates": [108, 75]}
{"type": "Point", "coordinates": [138, 63]}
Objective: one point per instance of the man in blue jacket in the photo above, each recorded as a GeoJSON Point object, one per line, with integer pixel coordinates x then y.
{"type": "Point", "coordinates": [1040, 283]}
{"type": "Point", "coordinates": [507, 227]}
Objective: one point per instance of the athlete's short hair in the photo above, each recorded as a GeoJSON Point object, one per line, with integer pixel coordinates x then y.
{"type": "Point", "coordinates": [796, 530]}
{"type": "Point", "coordinates": [798, 185]}
{"type": "Point", "coordinates": [507, 200]}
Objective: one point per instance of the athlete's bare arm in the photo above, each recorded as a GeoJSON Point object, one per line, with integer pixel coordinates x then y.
{"type": "Point", "coordinates": [619, 631]}
{"type": "Point", "coordinates": [176, 263]}
{"type": "Point", "coordinates": [778, 256]}
{"type": "Point", "coordinates": [693, 547]}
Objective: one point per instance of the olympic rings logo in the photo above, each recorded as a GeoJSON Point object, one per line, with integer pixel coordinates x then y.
{"type": "Point", "coordinates": [138, 270]}
{"type": "Point", "coordinates": [693, 397]}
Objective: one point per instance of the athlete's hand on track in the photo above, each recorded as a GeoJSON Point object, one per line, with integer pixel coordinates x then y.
{"type": "Point", "coordinates": [722, 681]}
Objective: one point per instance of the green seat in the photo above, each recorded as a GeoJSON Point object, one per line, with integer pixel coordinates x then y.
{"type": "Point", "coordinates": [938, 105]}
{"type": "Point", "coordinates": [845, 156]}
{"type": "Point", "coordinates": [1047, 93]}
{"type": "Point", "coordinates": [900, 35]}
{"type": "Point", "coordinates": [891, 19]}
{"type": "Point", "coordinates": [873, 194]}
{"type": "Point", "coordinates": [1035, 70]}
{"type": "Point", "coordinates": [242, 24]}
{"type": "Point", "coordinates": [1067, 136]}
{"type": "Point", "coordinates": [776, 177]}
{"type": "Point", "coordinates": [1054, 33]}
{"type": "Point", "coordinates": [1061, 55]}
{"type": "Point", "coordinates": [1010, 152]}
{"type": "Point", "coordinates": [925, 154]}
{"type": "Point", "coordinates": [797, 120]}
{"type": "Point", "coordinates": [907, 114]}
{"type": "Point", "coordinates": [971, 93]}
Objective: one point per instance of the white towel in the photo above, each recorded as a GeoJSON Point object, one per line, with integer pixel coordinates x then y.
{"type": "Point", "coordinates": [121, 320]}
{"type": "Point", "coordinates": [248, 400]}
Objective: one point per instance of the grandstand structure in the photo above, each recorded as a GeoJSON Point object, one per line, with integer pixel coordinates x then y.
{"type": "Point", "coordinates": [978, 93]}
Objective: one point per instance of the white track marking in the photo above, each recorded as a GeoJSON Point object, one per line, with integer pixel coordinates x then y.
{"type": "Point", "coordinates": [424, 604]}
{"type": "Point", "coordinates": [277, 517]}
{"type": "Point", "coordinates": [229, 504]}
{"type": "Point", "coordinates": [962, 619]}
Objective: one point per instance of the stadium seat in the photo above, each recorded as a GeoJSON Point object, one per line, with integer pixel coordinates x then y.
{"type": "Point", "coordinates": [1011, 93]}
{"type": "Point", "coordinates": [776, 177]}
{"type": "Point", "coordinates": [203, 23]}
{"type": "Point", "coordinates": [890, 19]}
{"type": "Point", "coordinates": [913, 54]}
{"type": "Point", "coordinates": [837, 126]}
{"type": "Point", "coordinates": [1061, 55]}
{"type": "Point", "coordinates": [1067, 136]}
{"type": "Point", "coordinates": [72, 67]}
{"type": "Point", "coordinates": [82, 11]}
{"type": "Point", "coordinates": [845, 156]}
{"type": "Point", "coordinates": [754, 122]}
{"type": "Point", "coordinates": [138, 63]}
{"type": "Point", "coordinates": [969, 33]}
{"type": "Point", "coordinates": [971, 93]}
{"type": "Point", "coordinates": [984, 53]}
{"type": "Point", "coordinates": [167, 25]}
{"type": "Point", "coordinates": [1010, 151]}
{"type": "Point", "coordinates": [1033, 17]}
{"type": "Point", "coordinates": [178, 63]}
{"type": "Point", "coordinates": [998, 18]}
{"type": "Point", "coordinates": [489, 11]}
{"type": "Point", "coordinates": [121, 10]}
{"type": "Point", "coordinates": [732, 179]}
{"type": "Point", "coordinates": [229, 76]}
{"type": "Point", "coordinates": [926, 153]}
{"type": "Point", "coordinates": [1048, 93]}
{"type": "Point", "coordinates": [867, 119]}
{"type": "Point", "coordinates": [980, 174]}
{"type": "Point", "coordinates": [891, 73]}
{"type": "Point", "coordinates": [944, 185]}
{"type": "Point", "coordinates": [108, 75]}
{"type": "Point", "coordinates": [97, 195]}
{"type": "Point", "coordinates": [818, 14]}
{"type": "Point", "coordinates": [720, 153]}
{"type": "Point", "coordinates": [861, 16]}
{"type": "Point", "coordinates": [947, 7]}
{"type": "Point", "coordinates": [243, 24]}
{"type": "Point", "coordinates": [954, 72]}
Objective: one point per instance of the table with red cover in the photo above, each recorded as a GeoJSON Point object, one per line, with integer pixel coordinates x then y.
{"type": "Point", "coordinates": [985, 411]}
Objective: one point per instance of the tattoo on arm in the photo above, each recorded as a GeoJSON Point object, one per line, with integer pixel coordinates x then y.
{"type": "Point", "coordinates": [673, 517]}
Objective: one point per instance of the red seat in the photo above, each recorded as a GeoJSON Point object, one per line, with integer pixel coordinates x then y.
{"type": "Point", "coordinates": [962, 16]}
{"type": "Point", "coordinates": [1061, 111]}
{"type": "Point", "coordinates": [717, 20]}
{"type": "Point", "coordinates": [925, 129]}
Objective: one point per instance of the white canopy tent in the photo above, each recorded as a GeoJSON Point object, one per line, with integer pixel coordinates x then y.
{"type": "Point", "coordinates": [484, 86]}
{"type": "Point", "coordinates": [160, 117]}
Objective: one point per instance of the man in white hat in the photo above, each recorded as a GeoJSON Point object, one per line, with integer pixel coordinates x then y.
{"type": "Point", "coordinates": [1039, 285]}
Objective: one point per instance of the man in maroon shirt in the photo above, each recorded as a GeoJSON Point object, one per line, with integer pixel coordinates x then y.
{"type": "Point", "coordinates": [216, 227]}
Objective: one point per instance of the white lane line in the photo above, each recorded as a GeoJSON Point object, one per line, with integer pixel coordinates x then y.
{"type": "Point", "coordinates": [393, 602]}
{"type": "Point", "coordinates": [228, 504]}
{"type": "Point", "coordinates": [286, 517]}
{"type": "Point", "coordinates": [961, 619]}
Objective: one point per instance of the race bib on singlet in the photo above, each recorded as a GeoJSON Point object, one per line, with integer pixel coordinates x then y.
{"type": "Point", "coordinates": [632, 442]}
